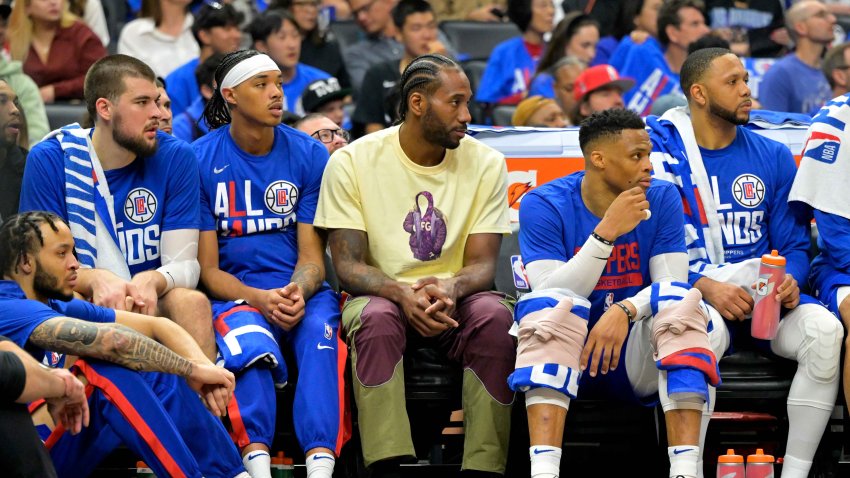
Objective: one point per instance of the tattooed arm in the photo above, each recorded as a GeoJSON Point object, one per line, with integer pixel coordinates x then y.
{"type": "Point", "coordinates": [110, 342]}
{"type": "Point", "coordinates": [348, 250]}
{"type": "Point", "coordinates": [134, 342]}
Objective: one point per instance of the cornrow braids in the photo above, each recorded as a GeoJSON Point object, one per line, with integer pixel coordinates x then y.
{"type": "Point", "coordinates": [20, 235]}
{"type": "Point", "coordinates": [216, 111]}
{"type": "Point", "coordinates": [422, 74]}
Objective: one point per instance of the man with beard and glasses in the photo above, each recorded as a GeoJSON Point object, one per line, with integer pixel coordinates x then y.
{"type": "Point", "coordinates": [131, 364]}
{"type": "Point", "coordinates": [416, 214]}
{"type": "Point", "coordinates": [12, 156]}
{"type": "Point", "coordinates": [131, 196]}
{"type": "Point", "coordinates": [735, 185]}
{"type": "Point", "coordinates": [262, 261]}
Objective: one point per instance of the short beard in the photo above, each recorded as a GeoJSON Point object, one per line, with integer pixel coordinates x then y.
{"type": "Point", "coordinates": [47, 286]}
{"type": "Point", "coordinates": [727, 115]}
{"type": "Point", "coordinates": [435, 132]}
{"type": "Point", "coordinates": [135, 145]}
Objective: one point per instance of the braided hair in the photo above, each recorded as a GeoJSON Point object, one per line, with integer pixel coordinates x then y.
{"type": "Point", "coordinates": [422, 74]}
{"type": "Point", "coordinates": [21, 235]}
{"type": "Point", "coordinates": [216, 111]}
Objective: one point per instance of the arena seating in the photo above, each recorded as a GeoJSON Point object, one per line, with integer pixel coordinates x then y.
{"type": "Point", "coordinates": [475, 40]}
{"type": "Point", "coordinates": [61, 114]}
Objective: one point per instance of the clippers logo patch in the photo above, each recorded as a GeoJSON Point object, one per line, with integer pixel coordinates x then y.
{"type": "Point", "coordinates": [281, 197]}
{"type": "Point", "coordinates": [748, 190]}
{"type": "Point", "coordinates": [822, 147]}
{"type": "Point", "coordinates": [140, 206]}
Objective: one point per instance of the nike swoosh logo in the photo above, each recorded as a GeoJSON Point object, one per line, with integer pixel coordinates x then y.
{"type": "Point", "coordinates": [679, 452]}
{"type": "Point", "coordinates": [730, 475]}
{"type": "Point", "coordinates": [601, 258]}
{"type": "Point", "coordinates": [255, 455]}
{"type": "Point", "coordinates": [323, 457]}
{"type": "Point", "coordinates": [537, 452]}
{"type": "Point", "coordinates": [216, 170]}
{"type": "Point", "coordinates": [323, 347]}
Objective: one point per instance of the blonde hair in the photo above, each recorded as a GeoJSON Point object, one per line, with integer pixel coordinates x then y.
{"type": "Point", "coordinates": [21, 26]}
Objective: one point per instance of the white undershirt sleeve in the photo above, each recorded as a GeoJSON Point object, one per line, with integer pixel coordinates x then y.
{"type": "Point", "coordinates": [580, 274]}
{"type": "Point", "coordinates": [179, 258]}
{"type": "Point", "coordinates": [670, 267]}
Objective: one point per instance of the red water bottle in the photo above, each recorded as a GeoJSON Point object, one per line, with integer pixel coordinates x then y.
{"type": "Point", "coordinates": [730, 465]}
{"type": "Point", "coordinates": [760, 465]}
{"type": "Point", "coordinates": [766, 309]}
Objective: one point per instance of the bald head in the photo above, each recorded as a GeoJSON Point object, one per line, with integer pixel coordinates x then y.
{"type": "Point", "coordinates": [811, 20]}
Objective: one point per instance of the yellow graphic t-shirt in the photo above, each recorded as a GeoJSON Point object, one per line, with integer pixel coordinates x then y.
{"type": "Point", "coordinates": [417, 218]}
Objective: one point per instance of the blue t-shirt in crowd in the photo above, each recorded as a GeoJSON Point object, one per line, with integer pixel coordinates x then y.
{"type": "Point", "coordinates": [20, 316]}
{"type": "Point", "coordinates": [750, 180]}
{"type": "Point", "coordinates": [182, 86]}
{"type": "Point", "coordinates": [304, 75]}
{"type": "Point", "coordinates": [254, 202]}
{"type": "Point", "coordinates": [508, 72]}
{"type": "Point", "coordinates": [646, 64]}
{"type": "Point", "coordinates": [555, 223]}
{"type": "Point", "coordinates": [151, 195]}
{"type": "Point", "coordinates": [793, 86]}
{"type": "Point", "coordinates": [543, 85]}
{"type": "Point", "coordinates": [189, 125]}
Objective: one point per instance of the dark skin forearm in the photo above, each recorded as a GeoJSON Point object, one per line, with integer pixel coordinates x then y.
{"type": "Point", "coordinates": [348, 250]}
{"type": "Point", "coordinates": [110, 342]}
{"type": "Point", "coordinates": [471, 279]}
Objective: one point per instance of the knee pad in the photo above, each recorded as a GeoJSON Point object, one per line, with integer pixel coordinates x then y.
{"type": "Point", "coordinates": [681, 344]}
{"type": "Point", "coordinates": [551, 337]}
{"type": "Point", "coordinates": [820, 351]}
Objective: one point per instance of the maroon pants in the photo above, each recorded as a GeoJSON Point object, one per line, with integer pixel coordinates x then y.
{"type": "Point", "coordinates": [480, 343]}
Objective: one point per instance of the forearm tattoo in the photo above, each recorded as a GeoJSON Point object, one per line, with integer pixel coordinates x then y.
{"type": "Point", "coordinates": [110, 342]}
{"type": "Point", "coordinates": [349, 250]}
{"type": "Point", "coordinates": [309, 278]}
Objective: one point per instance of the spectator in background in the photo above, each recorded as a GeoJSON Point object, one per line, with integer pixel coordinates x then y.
{"type": "Point", "coordinates": [326, 97]}
{"type": "Point", "coordinates": [416, 28]}
{"type": "Point", "coordinates": [12, 156]}
{"type": "Point", "coordinates": [538, 111]}
{"type": "Point", "coordinates": [748, 26]}
{"type": "Point", "coordinates": [576, 36]}
{"type": "Point", "coordinates": [189, 125]}
{"type": "Point", "coordinates": [599, 88]}
{"type": "Point", "coordinates": [164, 103]}
{"type": "Point", "coordinates": [655, 65]}
{"type": "Point", "coordinates": [566, 71]}
{"type": "Point", "coordinates": [470, 10]}
{"type": "Point", "coordinates": [319, 48]}
{"type": "Point", "coordinates": [323, 129]}
{"type": "Point", "coordinates": [796, 83]}
{"type": "Point", "coordinates": [31, 104]}
{"type": "Point", "coordinates": [56, 48]}
{"type": "Point", "coordinates": [637, 21]}
{"type": "Point", "coordinates": [161, 36]}
{"type": "Point", "coordinates": [91, 11]}
{"type": "Point", "coordinates": [276, 34]}
{"type": "Point", "coordinates": [216, 29]}
{"type": "Point", "coordinates": [836, 68]}
{"type": "Point", "coordinates": [512, 63]}
{"type": "Point", "coordinates": [375, 19]}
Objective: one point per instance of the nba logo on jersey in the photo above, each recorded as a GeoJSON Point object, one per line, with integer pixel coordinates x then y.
{"type": "Point", "coordinates": [822, 147]}
{"type": "Point", "coordinates": [609, 301]}
{"type": "Point", "coordinates": [748, 190]}
{"type": "Point", "coordinates": [329, 332]}
{"type": "Point", "coordinates": [520, 277]}
{"type": "Point", "coordinates": [281, 197]}
{"type": "Point", "coordinates": [140, 206]}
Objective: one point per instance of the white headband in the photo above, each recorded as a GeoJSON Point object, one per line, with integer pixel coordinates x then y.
{"type": "Point", "coordinates": [247, 68]}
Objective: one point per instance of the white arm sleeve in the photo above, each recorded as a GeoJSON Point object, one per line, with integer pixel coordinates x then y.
{"type": "Point", "coordinates": [580, 274]}
{"type": "Point", "coordinates": [179, 258]}
{"type": "Point", "coordinates": [671, 267]}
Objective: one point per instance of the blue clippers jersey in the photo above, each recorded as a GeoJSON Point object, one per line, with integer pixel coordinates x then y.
{"type": "Point", "coordinates": [150, 195]}
{"type": "Point", "coordinates": [20, 316]}
{"type": "Point", "coordinates": [254, 202]}
{"type": "Point", "coordinates": [555, 223]}
{"type": "Point", "coordinates": [750, 180]}
{"type": "Point", "coordinates": [508, 72]}
{"type": "Point", "coordinates": [646, 64]}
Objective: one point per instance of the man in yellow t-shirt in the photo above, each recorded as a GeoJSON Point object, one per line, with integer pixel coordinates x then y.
{"type": "Point", "coordinates": [416, 215]}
